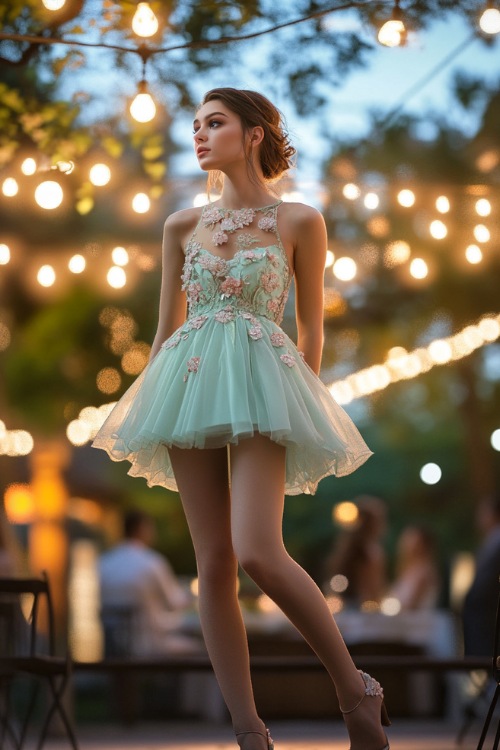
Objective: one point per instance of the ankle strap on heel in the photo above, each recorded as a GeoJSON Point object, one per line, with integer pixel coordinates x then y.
{"type": "Point", "coordinates": [266, 735]}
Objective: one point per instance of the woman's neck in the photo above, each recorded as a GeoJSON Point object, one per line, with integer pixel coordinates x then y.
{"type": "Point", "coordinates": [245, 194]}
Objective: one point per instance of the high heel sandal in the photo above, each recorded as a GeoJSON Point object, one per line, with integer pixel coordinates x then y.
{"type": "Point", "coordinates": [267, 737]}
{"type": "Point", "coordinates": [374, 690]}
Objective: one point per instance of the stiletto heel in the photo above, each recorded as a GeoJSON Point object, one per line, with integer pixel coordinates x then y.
{"type": "Point", "coordinates": [374, 690]}
{"type": "Point", "coordinates": [267, 737]}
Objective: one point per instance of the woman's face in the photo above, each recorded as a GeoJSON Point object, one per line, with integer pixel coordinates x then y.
{"type": "Point", "coordinates": [218, 137]}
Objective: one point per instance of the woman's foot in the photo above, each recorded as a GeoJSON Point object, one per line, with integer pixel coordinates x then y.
{"type": "Point", "coordinates": [364, 720]}
{"type": "Point", "coordinates": [255, 740]}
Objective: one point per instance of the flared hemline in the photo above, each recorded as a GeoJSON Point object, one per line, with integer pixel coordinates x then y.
{"type": "Point", "coordinates": [308, 486]}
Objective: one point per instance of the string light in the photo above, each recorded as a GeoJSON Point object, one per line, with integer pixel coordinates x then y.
{"type": "Point", "coordinates": [4, 254]}
{"type": "Point", "coordinates": [116, 277]}
{"type": "Point", "coordinates": [143, 107]}
{"type": "Point", "coordinates": [28, 167]}
{"type": "Point", "coordinates": [10, 187]}
{"type": "Point", "coordinates": [46, 276]}
{"type": "Point", "coordinates": [345, 269]}
{"type": "Point", "coordinates": [430, 473]}
{"type": "Point", "coordinates": [371, 200]}
{"type": "Point", "coordinates": [393, 32]}
{"type": "Point", "coordinates": [483, 207]}
{"type": "Point", "coordinates": [54, 4]}
{"type": "Point", "coordinates": [490, 19]}
{"type": "Point", "coordinates": [438, 229]}
{"type": "Point", "coordinates": [49, 194]}
{"type": "Point", "coordinates": [99, 175]}
{"type": "Point", "coordinates": [495, 440]}
{"type": "Point", "coordinates": [144, 22]}
{"type": "Point", "coordinates": [351, 191]}
{"type": "Point", "coordinates": [406, 198]}
{"type": "Point", "coordinates": [403, 365]}
{"type": "Point", "coordinates": [77, 264]}
{"type": "Point", "coordinates": [419, 268]}
{"type": "Point", "coordinates": [119, 256]}
{"type": "Point", "coordinates": [473, 254]}
{"type": "Point", "coordinates": [481, 233]}
{"type": "Point", "coordinates": [443, 204]}
{"type": "Point", "coordinates": [141, 203]}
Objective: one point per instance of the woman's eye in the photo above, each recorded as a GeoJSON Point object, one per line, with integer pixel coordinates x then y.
{"type": "Point", "coordinates": [213, 122]}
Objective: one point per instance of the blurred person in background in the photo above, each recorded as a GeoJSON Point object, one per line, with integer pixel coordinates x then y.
{"type": "Point", "coordinates": [136, 578]}
{"type": "Point", "coordinates": [359, 555]}
{"type": "Point", "coordinates": [480, 604]}
{"type": "Point", "coordinates": [417, 584]}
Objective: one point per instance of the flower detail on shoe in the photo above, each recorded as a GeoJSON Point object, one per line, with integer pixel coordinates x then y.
{"type": "Point", "coordinates": [372, 686]}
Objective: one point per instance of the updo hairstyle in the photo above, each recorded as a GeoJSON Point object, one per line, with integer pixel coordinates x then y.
{"type": "Point", "coordinates": [255, 110]}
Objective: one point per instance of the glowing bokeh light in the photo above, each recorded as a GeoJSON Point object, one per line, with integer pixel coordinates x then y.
{"type": "Point", "coordinates": [4, 254]}
{"type": "Point", "coordinates": [144, 22]}
{"type": "Point", "coordinates": [406, 198]}
{"type": "Point", "coordinates": [330, 257]}
{"type": "Point", "coordinates": [77, 263]}
{"type": "Point", "coordinates": [490, 21]}
{"type": "Point", "coordinates": [483, 207]}
{"type": "Point", "coordinates": [442, 204]}
{"type": "Point", "coordinates": [438, 229]}
{"type": "Point", "coordinates": [351, 191]}
{"type": "Point", "coordinates": [49, 195]}
{"type": "Point", "coordinates": [10, 188]}
{"type": "Point", "coordinates": [481, 233]}
{"type": "Point", "coordinates": [119, 256]}
{"type": "Point", "coordinates": [143, 107]}
{"type": "Point", "coordinates": [495, 440]}
{"type": "Point", "coordinates": [392, 33]}
{"type": "Point", "coordinates": [419, 268]}
{"type": "Point", "coordinates": [371, 200]}
{"type": "Point", "coordinates": [46, 275]}
{"type": "Point", "coordinates": [345, 269]}
{"type": "Point", "coordinates": [474, 254]}
{"type": "Point", "coordinates": [116, 277]}
{"type": "Point", "coordinates": [28, 167]}
{"type": "Point", "coordinates": [430, 473]}
{"type": "Point", "coordinates": [141, 203]}
{"type": "Point", "coordinates": [99, 175]}
{"type": "Point", "coordinates": [345, 513]}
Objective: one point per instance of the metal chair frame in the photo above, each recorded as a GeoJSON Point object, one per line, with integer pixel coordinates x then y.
{"type": "Point", "coordinates": [37, 663]}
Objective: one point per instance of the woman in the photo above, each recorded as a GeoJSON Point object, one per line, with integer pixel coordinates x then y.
{"type": "Point", "coordinates": [359, 555]}
{"type": "Point", "coordinates": [230, 413]}
{"type": "Point", "coordinates": [417, 574]}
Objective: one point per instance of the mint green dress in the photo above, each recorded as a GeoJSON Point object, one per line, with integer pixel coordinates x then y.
{"type": "Point", "coordinates": [230, 371]}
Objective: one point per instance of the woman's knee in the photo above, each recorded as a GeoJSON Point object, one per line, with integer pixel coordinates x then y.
{"type": "Point", "coordinates": [260, 564]}
{"type": "Point", "coordinates": [216, 564]}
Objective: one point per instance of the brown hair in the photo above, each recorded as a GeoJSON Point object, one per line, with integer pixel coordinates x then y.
{"type": "Point", "coordinates": [254, 110]}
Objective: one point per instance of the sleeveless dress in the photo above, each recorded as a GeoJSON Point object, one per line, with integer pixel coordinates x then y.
{"type": "Point", "coordinates": [230, 371]}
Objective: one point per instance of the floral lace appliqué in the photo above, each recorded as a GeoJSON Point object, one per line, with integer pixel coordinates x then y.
{"type": "Point", "coordinates": [192, 366]}
{"type": "Point", "coordinates": [231, 287]}
{"type": "Point", "coordinates": [278, 339]}
{"type": "Point", "coordinates": [226, 315]}
{"type": "Point", "coordinates": [287, 359]}
{"type": "Point", "coordinates": [255, 332]}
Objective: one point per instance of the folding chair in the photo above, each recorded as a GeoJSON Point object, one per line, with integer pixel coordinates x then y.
{"type": "Point", "coordinates": [26, 651]}
{"type": "Point", "coordinates": [496, 677]}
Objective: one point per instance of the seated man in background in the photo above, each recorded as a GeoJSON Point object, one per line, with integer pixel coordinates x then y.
{"type": "Point", "coordinates": [142, 601]}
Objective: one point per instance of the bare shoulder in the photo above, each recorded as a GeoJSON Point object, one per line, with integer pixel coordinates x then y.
{"type": "Point", "coordinates": [302, 217]}
{"type": "Point", "coordinates": [181, 224]}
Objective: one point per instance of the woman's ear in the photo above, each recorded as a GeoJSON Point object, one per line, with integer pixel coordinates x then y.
{"type": "Point", "coordinates": [256, 135]}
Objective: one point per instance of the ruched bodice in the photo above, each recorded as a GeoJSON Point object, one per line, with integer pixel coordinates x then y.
{"type": "Point", "coordinates": [230, 371]}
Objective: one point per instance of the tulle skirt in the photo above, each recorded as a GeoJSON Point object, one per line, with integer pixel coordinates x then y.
{"type": "Point", "coordinates": [218, 386]}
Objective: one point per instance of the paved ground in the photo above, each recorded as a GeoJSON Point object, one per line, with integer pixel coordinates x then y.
{"type": "Point", "coordinates": [301, 735]}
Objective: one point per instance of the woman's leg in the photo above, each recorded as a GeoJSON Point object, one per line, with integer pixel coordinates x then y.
{"type": "Point", "coordinates": [202, 478]}
{"type": "Point", "coordinates": [257, 482]}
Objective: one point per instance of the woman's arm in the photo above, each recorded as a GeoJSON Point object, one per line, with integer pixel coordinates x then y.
{"type": "Point", "coordinates": [309, 263]}
{"type": "Point", "coordinates": [172, 312]}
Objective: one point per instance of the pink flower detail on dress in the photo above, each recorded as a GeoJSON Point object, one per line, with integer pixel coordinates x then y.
{"type": "Point", "coordinates": [255, 332]}
{"type": "Point", "coordinates": [273, 259]}
{"type": "Point", "coordinates": [212, 216]}
{"type": "Point", "coordinates": [192, 366]}
{"type": "Point", "coordinates": [231, 287]}
{"type": "Point", "coordinates": [227, 225]}
{"type": "Point", "coordinates": [249, 255]}
{"type": "Point", "coordinates": [301, 355]}
{"type": "Point", "coordinates": [197, 321]}
{"type": "Point", "coordinates": [226, 315]}
{"type": "Point", "coordinates": [171, 342]}
{"type": "Point", "coordinates": [193, 291]}
{"type": "Point", "coordinates": [273, 305]}
{"type": "Point", "coordinates": [219, 238]}
{"type": "Point", "coordinates": [269, 281]}
{"type": "Point", "coordinates": [243, 217]}
{"type": "Point", "coordinates": [287, 359]}
{"type": "Point", "coordinates": [267, 223]}
{"type": "Point", "coordinates": [278, 339]}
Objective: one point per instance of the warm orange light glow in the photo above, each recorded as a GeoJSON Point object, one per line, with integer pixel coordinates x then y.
{"type": "Point", "coordinates": [19, 503]}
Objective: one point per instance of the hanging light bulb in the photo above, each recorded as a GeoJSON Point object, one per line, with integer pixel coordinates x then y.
{"type": "Point", "coordinates": [393, 32]}
{"type": "Point", "coordinates": [490, 19]}
{"type": "Point", "coordinates": [144, 22]}
{"type": "Point", "coordinates": [54, 4]}
{"type": "Point", "coordinates": [143, 108]}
